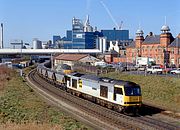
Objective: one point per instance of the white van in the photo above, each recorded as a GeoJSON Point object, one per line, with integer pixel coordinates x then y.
{"type": "Point", "coordinates": [100, 63]}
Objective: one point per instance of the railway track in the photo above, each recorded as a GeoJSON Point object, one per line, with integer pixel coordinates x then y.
{"type": "Point", "coordinates": [99, 117]}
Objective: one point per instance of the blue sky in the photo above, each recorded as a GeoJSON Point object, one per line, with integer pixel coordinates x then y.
{"type": "Point", "coordinates": [28, 19]}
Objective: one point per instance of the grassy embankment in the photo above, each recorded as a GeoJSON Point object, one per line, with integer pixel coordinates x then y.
{"type": "Point", "coordinates": [21, 108]}
{"type": "Point", "coordinates": [162, 91]}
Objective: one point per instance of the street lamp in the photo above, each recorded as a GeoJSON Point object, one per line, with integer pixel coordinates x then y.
{"type": "Point", "coordinates": [21, 70]}
{"type": "Point", "coordinates": [52, 61]}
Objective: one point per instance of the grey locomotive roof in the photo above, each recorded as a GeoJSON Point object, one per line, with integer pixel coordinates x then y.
{"type": "Point", "coordinates": [104, 79]}
{"type": "Point", "coordinates": [91, 77]}
{"type": "Point", "coordinates": [152, 39]}
{"type": "Point", "coordinates": [175, 43]}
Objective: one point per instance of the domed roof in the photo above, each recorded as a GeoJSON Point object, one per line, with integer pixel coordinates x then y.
{"type": "Point", "coordinates": [139, 32]}
{"type": "Point", "coordinates": [165, 28]}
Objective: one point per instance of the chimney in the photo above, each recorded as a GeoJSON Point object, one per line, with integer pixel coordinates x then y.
{"type": "Point", "coordinates": [1, 44]}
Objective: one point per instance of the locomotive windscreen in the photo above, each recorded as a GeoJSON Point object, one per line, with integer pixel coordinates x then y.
{"type": "Point", "coordinates": [132, 89]}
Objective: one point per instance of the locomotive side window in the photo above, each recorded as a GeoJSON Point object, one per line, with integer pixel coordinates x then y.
{"type": "Point", "coordinates": [104, 91]}
{"type": "Point", "coordinates": [74, 83]}
{"type": "Point", "coordinates": [117, 91]}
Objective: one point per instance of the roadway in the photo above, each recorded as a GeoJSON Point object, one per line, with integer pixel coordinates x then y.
{"type": "Point", "coordinates": [143, 73]}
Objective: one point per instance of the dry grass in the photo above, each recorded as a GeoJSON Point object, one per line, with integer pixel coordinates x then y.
{"type": "Point", "coordinates": [20, 106]}
{"type": "Point", "coordinates": [5, 76]}
{"type": "Point", "coordinates": [161, 91]}
{"type": "Point", "coordinates": [29, 126]}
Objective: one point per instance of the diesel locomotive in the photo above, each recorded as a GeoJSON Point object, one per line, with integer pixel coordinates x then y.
{"type": "Point", "coordinates": [120, 95]}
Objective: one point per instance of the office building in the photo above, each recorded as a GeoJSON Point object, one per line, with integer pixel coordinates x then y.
{"type": "Point", "coordinates": [56, 39]}
{"type": "Point", "coordinates": [81, 36]}
{"type": "Point", "coordinates": [37, 44]}
{"type": "Point", "coordinates": [116, 35]}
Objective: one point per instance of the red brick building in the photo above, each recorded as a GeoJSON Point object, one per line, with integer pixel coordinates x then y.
{"type": "Point", "coordinates": [108, 56]}
{"type": "Point", "coordinates": [163, 48]}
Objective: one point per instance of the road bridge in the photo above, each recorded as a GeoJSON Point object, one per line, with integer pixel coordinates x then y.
{"type": "Point", "coordinates": [47, 51]}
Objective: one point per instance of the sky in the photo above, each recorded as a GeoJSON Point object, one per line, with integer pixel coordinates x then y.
{"type": "Point", "coordinates": [28, 19]}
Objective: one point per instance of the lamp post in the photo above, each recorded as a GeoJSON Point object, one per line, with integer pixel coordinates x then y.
{"type": "Point", "coordinates": [52, 61]}
{"type": "Point", "coordinates": [21, 70]}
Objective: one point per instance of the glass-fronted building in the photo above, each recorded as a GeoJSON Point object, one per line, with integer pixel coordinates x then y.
{"type": "Point", "coordinates": [82, 36]}
{"type": "Point", "coordinates": [116, 35]}
{"type": "Point", "coordinates": [55, 39]}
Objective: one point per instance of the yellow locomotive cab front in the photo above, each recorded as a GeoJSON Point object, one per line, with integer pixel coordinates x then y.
{"type": "Point", "coordinates": [132, 95]}
{"type": "Point", "coordinates": [132, 100]}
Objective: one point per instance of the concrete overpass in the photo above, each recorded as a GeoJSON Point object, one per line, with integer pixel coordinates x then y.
{"type": "Point", "coordinates": [47, 51]}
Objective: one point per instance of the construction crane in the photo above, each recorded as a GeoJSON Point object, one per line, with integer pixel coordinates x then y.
{"type": "Point", "coordinates": [120, 26]}
{"type": "Point", "coordinates": [109, 13]}
{"type": "Point", "coordinates": [111, 16]}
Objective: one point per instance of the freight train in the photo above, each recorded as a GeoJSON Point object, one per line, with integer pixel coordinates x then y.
{"type": "Point", "coordinates": [119, 95]}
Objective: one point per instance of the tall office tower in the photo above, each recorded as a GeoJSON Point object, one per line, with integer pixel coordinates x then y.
{"type": "Point", "coordinates": [1, 44]}
{"type": "Point", "coordinates": [78, 35]}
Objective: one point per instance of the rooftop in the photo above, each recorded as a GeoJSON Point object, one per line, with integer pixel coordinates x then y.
{"type": "Point", "coordinates": [175, 43]}
{"type": "Point", "coordinates": [152, 39]}
{"type": "Point", "coordinates": [131, 45]}
{"type": "Point", "coordinates": [71, 57]}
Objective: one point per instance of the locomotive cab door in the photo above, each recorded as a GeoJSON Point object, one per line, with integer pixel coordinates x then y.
{"type": "Point", "coordinates": [118, 94]}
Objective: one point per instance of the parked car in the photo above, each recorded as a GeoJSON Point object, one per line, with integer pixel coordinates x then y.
{"type": "Point", "coordinates": [141, 67]}
{"type": "Point", "coordinates": [125, 66]}
{"type": "Point", "coordinates": [168, 70]}
{"type": "Point", "coordinates": [177, 71]}
{"type": "Point", "coordinates": [155, 69]}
